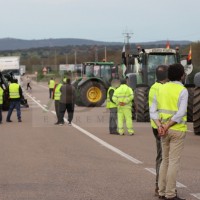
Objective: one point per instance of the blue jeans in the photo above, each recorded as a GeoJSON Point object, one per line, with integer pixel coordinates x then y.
{"type": "Point", "coordinates": [13, 105]}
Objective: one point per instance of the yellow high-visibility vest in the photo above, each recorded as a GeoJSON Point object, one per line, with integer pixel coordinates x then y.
{"type": "Point", "coordinates": [152, 93]}
{"type": "Point", "coordinates": [123, 94]}
{"type": "Point", "coordinates": [1, 95]}
{"type": "Point", "coordinates": [167, 98]}
{"type": "Point", "coordinates": [51, 84]}
{"type": "Point", "coordinates": [110, 104]}
{"type": "Point", "coordinates": [14, 91]}
{"type": "Point", "coordinates": [57, 93]}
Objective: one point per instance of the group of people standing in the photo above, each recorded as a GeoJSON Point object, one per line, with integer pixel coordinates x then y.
{"type": "Point", "coordinates": [119, 101]}
{"type": "Point", "coordinates": [168, 99]}
{"type": "Point", "coordinates": [64, 96]}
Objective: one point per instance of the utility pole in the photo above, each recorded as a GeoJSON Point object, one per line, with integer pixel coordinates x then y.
{"type": "Point", "coordinates": [96, 54]}
{"type": "Point", "coordinates": [66, 58]}
{"type": "Point", "coordinates": [127, 36]}
{"type": "Point", "coordinates": [55, 59]}
{"type": "Point", "coordinates": [105, 57]}
{"type": "Point", "coordinates": [75, 55]}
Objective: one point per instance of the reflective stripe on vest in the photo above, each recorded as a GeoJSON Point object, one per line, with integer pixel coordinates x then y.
{"type": "Point", "coordinates": [51, 84]}
{"type": "Point", "coordinates": [123, 94]}
{"type": "Point", "coordinates": [14, 91]}
{"type": "Point", "coordinates": [57, 93]}
{"type": "Point", "coordinates": [152, 93]}
{"type": "Point", "coordinates": [168, 97]}
{"type": "Point", "coordinates": [110, 104]}
{"type": "Point", "coordinates": [1, 95]}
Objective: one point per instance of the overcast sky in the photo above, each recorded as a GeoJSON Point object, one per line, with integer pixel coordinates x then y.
{"type": "Point", "coordinates": [102, 20]}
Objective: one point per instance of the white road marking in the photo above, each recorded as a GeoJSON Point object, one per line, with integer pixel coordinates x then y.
{"type": "Point", "coordinates": [37, 103]}
{"type": "Point", "coordinates": [105, 144]}
{"type": "Point", "coordinates": [153, 171]}
{"type": "Point", "coordinates": [196, 195]}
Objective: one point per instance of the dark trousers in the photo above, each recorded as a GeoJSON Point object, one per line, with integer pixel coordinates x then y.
{"type": "Point", "coordinates": [28, 86]}
{"type": "Point", "coordinates": [0, 113]}
{"type": "Point", "coordinates": [113, 120]}
{"type": "Point", "coordinates": [62, 109]}
{"type": "Point", "coordinates": [14, 105]}
{"type": "Point", "coordinates": [57, 103]}
{"type": "Point", "coordinates": [159, 153]}
{"type": "Point", "coordinates": [50, 92]}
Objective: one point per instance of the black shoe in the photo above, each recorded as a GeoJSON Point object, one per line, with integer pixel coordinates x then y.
{"type": "Point", "coordinates": [176, 198]}
{"type": "Point", "coordinates": [9, 120]}
{"type": "Point", "coordinates": [69, 123]}
{"type": "Point", "coordinates": [56, 123]}
{"type": "Point", "coordinates": [19, 120]}
{"type": "Point", "coordinates": [156, 192]}
{"type": "Point", "coordinates": [115, 133]}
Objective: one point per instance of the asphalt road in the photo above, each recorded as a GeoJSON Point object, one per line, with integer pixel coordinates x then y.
{"type": "Point", "coordinates": [43, 161]}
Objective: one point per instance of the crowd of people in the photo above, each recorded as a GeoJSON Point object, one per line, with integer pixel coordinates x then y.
{"type": "Point", "coordinates": [168, 100]}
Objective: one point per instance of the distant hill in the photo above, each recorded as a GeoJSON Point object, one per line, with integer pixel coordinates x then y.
{"type": "Point", "coordinates": [19, 44]}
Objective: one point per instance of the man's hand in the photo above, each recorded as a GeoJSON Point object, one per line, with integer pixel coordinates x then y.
{"type": "Point", "coordinates": [161, 131]}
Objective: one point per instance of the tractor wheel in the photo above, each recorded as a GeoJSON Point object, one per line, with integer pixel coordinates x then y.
{"type": "Point", "coordinates": [142, 106]}
{"type": "Point", "coordinates": [190, 89]}
{"type": "Point", "coordinates": [92, 94]}
{"type": "Point", "coordinates": [196, 111]}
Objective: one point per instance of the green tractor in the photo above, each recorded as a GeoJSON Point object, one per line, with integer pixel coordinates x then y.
{"type": "Point", "coordinates": [141, 76]}
{"type": "Point", "coordinates": [93, 80]}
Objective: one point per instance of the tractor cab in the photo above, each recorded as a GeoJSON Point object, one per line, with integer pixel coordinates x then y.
{"type": "Point", "coordinates": [149, 59]}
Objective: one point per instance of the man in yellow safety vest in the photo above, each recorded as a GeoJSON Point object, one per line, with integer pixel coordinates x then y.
{"type": "Point", "coordinates": [123, 97]}
{"type": "Point", "coordinates": [162, 77]}
{"type": "Point", "coordinates": [111, 105]}
{"type": "Point", "coordinates": [168, 111]}
{"type": "Point", "coordinates": [15, 95]}
{"type": "Point", "coordinates": [56, 97]}
{"type": "Point", "coordinates": [51, 85]}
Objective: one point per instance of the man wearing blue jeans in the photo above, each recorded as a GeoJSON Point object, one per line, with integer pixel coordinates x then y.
{"type": "Point", "coordinates": [15, 95]}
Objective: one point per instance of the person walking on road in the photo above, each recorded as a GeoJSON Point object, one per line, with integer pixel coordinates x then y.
{"type": "Point", "coordinates": [28, 86]}
{"type": "Point", "coordinates": [162, 77]}
{"type": "Point", "coordinates": [51, 84]}
{"type": "Point", "coordinates": [168, 111]}
{"type": "Point", "coordinates": [1, 103]}
{"type": "Point", "coordinates": [15, 95]}
{"type": "Point", "coordinates": [111, 105]}
{"type": "Point", "coordinates": [67, 101]}
{"type": "Point", "coordinates": [123, 97]}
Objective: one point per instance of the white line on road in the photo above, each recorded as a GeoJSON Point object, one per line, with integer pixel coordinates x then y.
{"type": "Point", "coordinates": [196, 195]}
{"type": "Point", "coordinates": [37, 103]}
{"type": "Point", "coordinates": [153, 171]}
{"type": "Point", "coordinates": [105, 144]}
